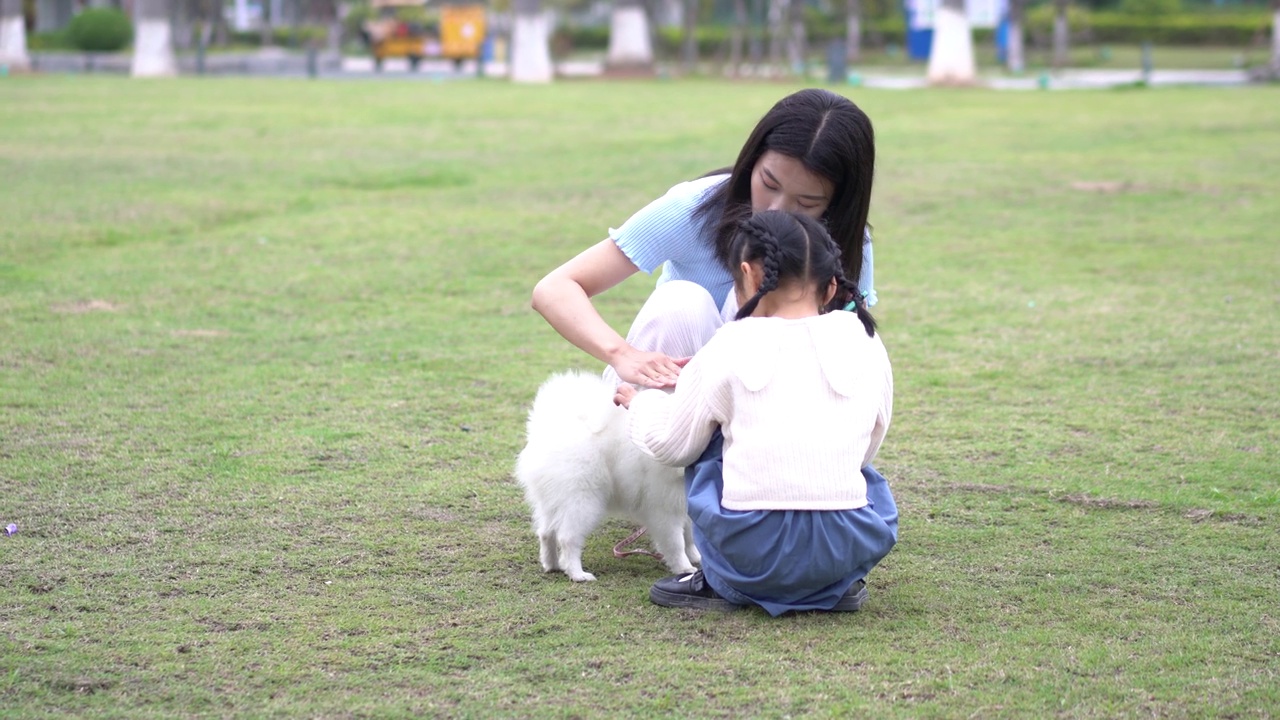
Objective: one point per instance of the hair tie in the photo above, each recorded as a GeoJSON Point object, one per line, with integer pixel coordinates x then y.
{"type": "Point", "coordinates": [855, 303]}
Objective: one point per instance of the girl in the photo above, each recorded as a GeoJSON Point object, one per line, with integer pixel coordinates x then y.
{"type": "Point", "coordinates": [780, 410]}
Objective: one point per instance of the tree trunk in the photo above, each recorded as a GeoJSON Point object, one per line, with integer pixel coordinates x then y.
{"type": "Point", "coordinates": [530, 57]}
{"type": "Point", "coordinates": [630, 45]}
{"type": "Point", "coordinates": [689, 43]}
{"type": "Point", "coordinates": [184, 13]}
{"type": "Point", "coordinates": [1015, 57]}
{"type": "Point", "coordinates": [776, 22]}
{"type": "Point", "coordinates": [737, 35]}
{"type": "Point", "coordinates": [13, 36]}
{"type": "Point", "coordinates": [951, 55]}
{"type": "Point", "coordinates": [53, 15]}
{"type": "Point", "coordinates": [755, 35]}
{"type": "Point", "coordinates": [221, 32]}
{"type": "Point", "coordinates": [797, 40]}
{"type": "Point", "coordinates": [152, 40]}
{"type": "Point", "coordinates": [1061, 34]}
{"type": "Point", "coordinates": [1275, 39]}
{"type": "Point", "coordinates": [266, 36]}
{"type": "Point", "coordinates": [853, 31]}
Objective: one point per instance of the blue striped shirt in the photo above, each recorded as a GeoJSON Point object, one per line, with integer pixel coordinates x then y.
{"type": "Point", "coordinates": [665, 233]}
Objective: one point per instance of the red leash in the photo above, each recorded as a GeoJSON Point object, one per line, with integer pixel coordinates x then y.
{"type": "Point", "coordinates": [619, 552]}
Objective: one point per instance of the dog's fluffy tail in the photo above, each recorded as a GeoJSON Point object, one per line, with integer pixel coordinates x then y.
{"type": "Point", "coordinates": [569, 400]}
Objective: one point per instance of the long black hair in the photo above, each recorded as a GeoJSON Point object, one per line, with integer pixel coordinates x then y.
{"type": "Point", "coordinates": [832, 138]}
{"type": "Point", "coordinates": [793, 247]}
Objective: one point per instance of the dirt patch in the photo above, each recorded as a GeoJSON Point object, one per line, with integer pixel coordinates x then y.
{"type": "Point", "coordinates": [83, 686]}
{"type": "Point", "coordinates": [1106, 187]}
{"type": "Point", "coordinates": [1108, 503]}
{"type": "Point", "coordinates": [201, 333]}
{"type": "Point", "coordinates": [84, 306]}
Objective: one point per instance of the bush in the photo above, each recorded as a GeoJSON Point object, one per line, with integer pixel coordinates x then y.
{"type": "Point", "coordinates": [50, 40]}
{"type": "Point", "coordinates": [1239, 28]}
{"type": "Point", "coordinates": [291, 37]}
{"type": "Point", "coordinates": [100, 30]}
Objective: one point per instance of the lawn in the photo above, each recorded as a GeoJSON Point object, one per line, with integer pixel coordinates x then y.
{"type": "Point", "coordinates": [266, 350]}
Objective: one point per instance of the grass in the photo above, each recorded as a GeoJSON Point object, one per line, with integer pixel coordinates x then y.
{"type": "Point", "coordinates": [266, 349]}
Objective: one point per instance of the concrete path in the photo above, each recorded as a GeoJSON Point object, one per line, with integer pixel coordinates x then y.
{"type": "Point", "coordinates": [283, 63]}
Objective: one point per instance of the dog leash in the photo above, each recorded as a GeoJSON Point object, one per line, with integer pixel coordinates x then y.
{"type": "Point", "coordinates": [619, 552]}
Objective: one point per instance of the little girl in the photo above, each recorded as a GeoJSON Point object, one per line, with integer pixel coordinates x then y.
{"type": "Point", "coordinates": [799, 399]}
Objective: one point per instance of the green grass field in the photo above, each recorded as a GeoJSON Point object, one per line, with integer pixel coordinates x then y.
{"type": "Point", "coordinates": [266, 350]}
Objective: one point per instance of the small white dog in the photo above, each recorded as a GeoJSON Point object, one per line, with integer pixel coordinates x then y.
{"type": "Point", "coordinates": [579, 465]}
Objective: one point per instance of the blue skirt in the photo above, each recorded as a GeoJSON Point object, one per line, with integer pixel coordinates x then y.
{"type": "Point", "coordinates": [785, 560]}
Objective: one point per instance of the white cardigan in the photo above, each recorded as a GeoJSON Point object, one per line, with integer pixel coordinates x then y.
{"type": "Point", "coordinates": [803, 404]}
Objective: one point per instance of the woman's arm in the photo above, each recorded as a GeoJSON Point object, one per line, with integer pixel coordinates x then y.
{"type": "Point", "coordinates": [563, 297]}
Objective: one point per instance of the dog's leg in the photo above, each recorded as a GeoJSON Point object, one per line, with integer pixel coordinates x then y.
{"type": "Point", "coordinates": [690, 549]}
{"type": "Point", "coordinates": [669, 539]}
{"type": "Point", "coordinates": [547, 552]}
{"type": "Point", "coordinates": [571, 557]}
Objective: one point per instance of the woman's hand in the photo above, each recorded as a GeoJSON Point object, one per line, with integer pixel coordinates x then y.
{"type": "Point", "coordinates": [624, 394]}
{"type": "Point", "coordinates": [648, 369]}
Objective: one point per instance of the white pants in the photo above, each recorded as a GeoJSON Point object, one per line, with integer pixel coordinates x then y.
{"type": "Point", "coordinates": [677, 320]}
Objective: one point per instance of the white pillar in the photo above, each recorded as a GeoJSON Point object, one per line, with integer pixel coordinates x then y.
{"type": "Point", "coordinates": [1014, 51]}
{"type": "Point", "coordinates": [13, 43]}
{"type": "Point", "coordinates": [951, 56]}
{"type": "Point", "coordinates": [629, 44]}
{"type": "Point", "coordinates": [153, 49]}
{"type": "Point", "coordinates": [531, 49]}
{"type": "Point", "coordinates": [241, 18]}
{"type": "Point", "coordinates": [1275, 42]}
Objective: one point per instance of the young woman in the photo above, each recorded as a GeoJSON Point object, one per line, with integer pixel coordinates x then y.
{"type": "Point", "coordinates": [783, 407]}
{"type": "Point", "coordinates": [813, 153]}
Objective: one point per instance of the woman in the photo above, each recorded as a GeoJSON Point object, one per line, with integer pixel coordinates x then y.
{"type": "Point", "coordinates": [813, 153]}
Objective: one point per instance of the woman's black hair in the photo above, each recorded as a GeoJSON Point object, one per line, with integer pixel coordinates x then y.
{"type": "Point", "coordinates": [793, 247]}
{"type": "Point", "coordinates": [832, 138]}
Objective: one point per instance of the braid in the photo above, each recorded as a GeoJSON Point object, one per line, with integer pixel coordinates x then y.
{"type": "Point", "coordinates": [848, 296]}
{"type": "Point", "coordinates": [770, 251]}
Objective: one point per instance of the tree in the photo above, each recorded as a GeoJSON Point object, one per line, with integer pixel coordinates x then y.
{"type": "Point", "coordinates": [951, 55]}
{"type": "Point", "coordinates": [152, 40]}
{"type": "Point", "coordinates": [13, 36]}
{"type": "Point", "coordinates": [797, 38]}
{"type": "Point", "coordinates": [737, 35]}
{"type": "Point", "coordinates": [530, 46]}
{"type": "Point", "coordinates": [1015, 58]}
{"type": "Point", "coordinates": [1061, 34]}
{"type": "Point", "coordinates": [689, 43]}
{"type": "Point", "coordinates": [630, 46]}
{"type": "Point", "coordinates": [853, 30]}
{"type": "Point", "coordinates": [1275, 39]}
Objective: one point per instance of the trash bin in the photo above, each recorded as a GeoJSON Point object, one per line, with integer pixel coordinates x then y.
{"type": "Point", "coordinates": [837, 62]}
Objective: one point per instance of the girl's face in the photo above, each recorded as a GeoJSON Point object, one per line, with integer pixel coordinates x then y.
{"type": "Point", "coordinates": [781, 182]}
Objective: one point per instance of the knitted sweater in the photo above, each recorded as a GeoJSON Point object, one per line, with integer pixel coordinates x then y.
{"type": "Point", "coordinates": [803, 404]}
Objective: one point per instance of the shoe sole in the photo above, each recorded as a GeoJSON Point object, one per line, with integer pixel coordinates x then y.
{"type": "Point", "coordinates": [851, 603]}
{"type": "Point", "coordinates": [679, 600]}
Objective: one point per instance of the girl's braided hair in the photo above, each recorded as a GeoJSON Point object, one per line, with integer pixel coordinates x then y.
{"type": "Point", "coordinates": [792, 247]}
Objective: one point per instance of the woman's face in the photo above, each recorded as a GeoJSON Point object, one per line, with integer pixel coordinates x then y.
{"type": "Point", "coordinates": [781, 182]}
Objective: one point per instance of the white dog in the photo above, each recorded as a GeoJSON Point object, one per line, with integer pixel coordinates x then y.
{"type": "Point", "coordinates": [579, 465]}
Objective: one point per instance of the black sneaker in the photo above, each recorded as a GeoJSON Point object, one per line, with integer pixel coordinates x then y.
{"type": "Point", "coordinates": [853, 599]}
{"type": "Point", "coordinates": [688, 591]}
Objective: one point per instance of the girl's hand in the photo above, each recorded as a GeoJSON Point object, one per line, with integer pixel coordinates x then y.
{"type": "Point", "coordinates": [649, 369]}
{"type": "Point", "coordinates": [624, 394]}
